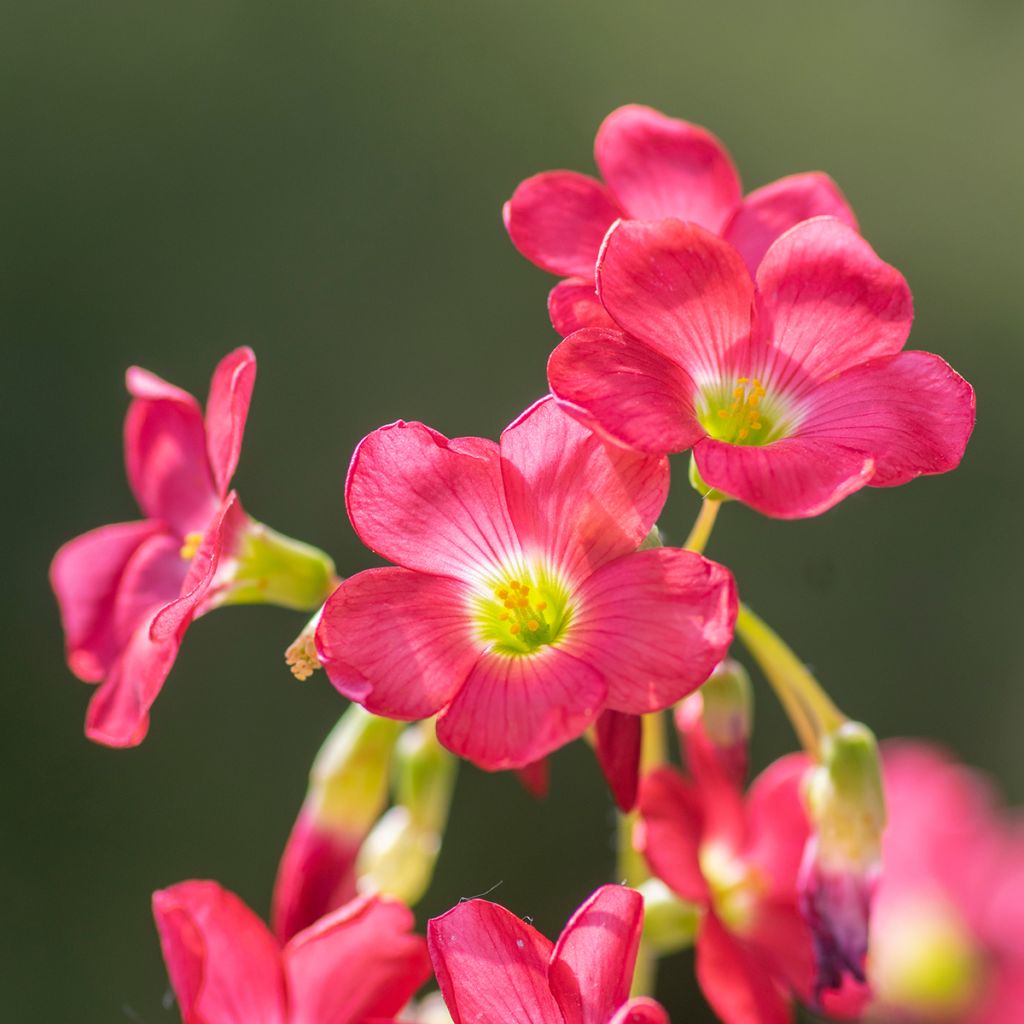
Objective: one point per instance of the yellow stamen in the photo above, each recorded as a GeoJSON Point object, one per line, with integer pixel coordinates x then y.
{"type": "Point", "coordinates": [533, 625]}
{"type": "Point", "coordinates": [191, 545]}
{"type": "Point", "coordinates": [514, 628]}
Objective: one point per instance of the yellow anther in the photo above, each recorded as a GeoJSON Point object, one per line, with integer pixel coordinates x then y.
{"type": "Point", "coordinates": [744, 433]}
{"type": "Point", "coordinates": [753, 400]}
{"type": "Point", "coordinates": [502, 593]}
{"type": "Point", "coordinates": [510, 604]}
{"type": "Point", "coordinates": [541, 605]}
{"type": "Point", "coordinates": [524, 590]}
{"type": "Point", "coordinates": [743, 380]}
{"type": "Point", "coordinates": [191, 545]}
{"type": "Point", "coordinates": [515, 584]}
{"type": "Point", "coordinates": [532, 625]}
{"type": "Point", "coordinates": [503, 616]}
{"type": "Point", "coordinates": [522, 603]}
{"type": "Point", "coordinates": [514, 628]}
{"type": "Point", "coordinates": [738, 392]}
{"type": "Point", "coordinates": [755, 426]}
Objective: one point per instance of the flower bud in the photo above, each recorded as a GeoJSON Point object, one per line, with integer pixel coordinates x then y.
{"type": "Point", "coordinates": [842, 859]}
{"type": "Point", "coordinates": [715, 724]}
{"type": "Point", "coordinates": [270, 568]}
{"type": "Point", "coordinates": [348, 790]}
{"type": "Point", "coordinates": [398, 857]}
{"type": "Point", "coordinates": [697, 483]}
{"type": "Point", "coordinates": [670, 924]}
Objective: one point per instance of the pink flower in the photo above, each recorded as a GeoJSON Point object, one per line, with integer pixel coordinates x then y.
{"type": "Point", "coordinates": [947, 931]}
{"type": "Point", "coordinates": [494, 968]}
{"type": "Point", "coordinates": [791, 388]}
{"type": "Point", "coordinates": [520, 608]}
{"type": "Point", "coordinates": [358, 964]}
{"type": "Point", "coordinates": [655, 167]}
{"type": "Point", "coordinates": [128, 592]}
{"type": "Point", "coordinates": [738, 859]}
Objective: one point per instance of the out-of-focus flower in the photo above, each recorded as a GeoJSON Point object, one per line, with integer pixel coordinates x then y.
{"type": "Point", "coordinates": [129, 591]}
{"type": "Point", "coordinates": [947, 932]}
{"type": "Point", "coordinates": [736, 858]}
{"type": "Point", "coordinates": [361, 962]}
{"type": "Point", "coordinates": [493, 968]}
{"type": "Point", "coordinates": [843, 856]}
{"type": "Point", "coordinates": [792, 392]}
{"type": "Point", "coordinates": [654, 167]}
{"type": "Point", "coordinates": [521, 607]}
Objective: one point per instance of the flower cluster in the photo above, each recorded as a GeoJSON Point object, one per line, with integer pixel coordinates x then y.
{"type": "Point", "coordinates": [531, 602]}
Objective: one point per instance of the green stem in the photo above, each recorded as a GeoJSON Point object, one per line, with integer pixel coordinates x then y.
{"type": "Point", "coordinates": [632, 867]}
{"type": "Point", "coordinates": [808, 706]}
{"type": "Point", "coordinates": [703, 525]}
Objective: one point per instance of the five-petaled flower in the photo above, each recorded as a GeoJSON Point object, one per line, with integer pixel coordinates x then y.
{"type": "Point", "coordinates": [947, 930]}
{"type": "Point", "coordinates": [737, 858]}
{"type": "Point", "coordinates": [792, 389]}
{"type": "Point", "coordinates": [520, 608]}
{"type": "Point", "coordinates": [360, 963]}
{"type": "Point", "coordinates": [128, 592]}
{"type": "Point", "coordinates": [654, 167]}
{"type": "Point", "coordinates": [493, 968]}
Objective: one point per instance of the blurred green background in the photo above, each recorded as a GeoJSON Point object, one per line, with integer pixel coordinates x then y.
{"type": "Point", "coordinates": [324, 182]}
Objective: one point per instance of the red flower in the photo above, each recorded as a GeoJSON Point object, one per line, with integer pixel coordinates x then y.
{"type": "Point", "coordinates": [738, 859]}
{"type": "Point", "coordinates": [947, 929]}
{"type": "Point", "coordinates": [792, 391]}
{"type": "Point", "coordinates": [128, 592]}
{"type": "Point", "coordinates": [655, 167]}
{"type": "Point", "coordinates": [494, 968]}
{"type": "Point", "coordinates": [358, 964]}
{"type": "Point", "coordinates": [521, 608]}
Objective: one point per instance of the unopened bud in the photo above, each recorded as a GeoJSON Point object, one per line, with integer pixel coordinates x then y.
{"type": "Point", "coordinates": [670, 924]}
{"type": "Point", "coordinates": [842, 859]}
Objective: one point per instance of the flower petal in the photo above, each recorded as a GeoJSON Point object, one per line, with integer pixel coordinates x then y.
{"type": "Point", "coordinates": [738, 987]}
{"type": "Point", "coordinates": [641, 1010]}
{"type": "Point", "coordinates": [573, 304]}
{"type": "Point", "coordinates": [492, 967]}
{"type": "Point", "coordinates": [360, 962]}
{"type": "Point", "coordinates": [654, 623]}
{"type": "Point", "coordinates": [535, 778]}
{"type": "Point", "coordinates": [226, 410]}
{"type": "Point", "coordinates": [222, 537]}
{"type": "Point", "coordinates": [658, 166]}
{"type": "Point", "coordinates": [788, 479]}
{"type": "Point", "coordinates": [778, 825]}
{"type": "Point", "coordinates": [558, 219]}
{"type": "Point", "coordinates": [514, 709]}
{"type": "Point", "coordinates": [85, 575]}
{"type": "Point", "coordinates": [223, 964]}
{"type": "Point", "coordinates": [670, 831]}
{"type": "Point", "coordinates": [773, 209]}
{"type": "Point", "coordinates": [625, 390]}
{"type": "Point", "coordinates": [576, 501]}
{"type": "Point", "coordinates": [617, 745]}
{"type": "Point", "coordinates": [681, 290]}
{"type": "Point", "coordinates": [165, 454]}
{"type": "Point", "coordinates": [398, 642]}
{"type": "Point", "coordinates": [430, 503]}
{"type": "Point", "coordinates": [912, 413]}
{"type": "Point", "coordinates": [592, 965]}
{"type": "Point", "coordinates": [828, 303]}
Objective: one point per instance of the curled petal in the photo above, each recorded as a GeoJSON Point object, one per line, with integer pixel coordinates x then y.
{"type": "Point", "coordinates": [573, 304]}
{"type": "Point", "coordinates": [557, 220]}
{"type": "Point", "coordinates": [223, 964]}
{"type": "Point", "coordinates": [398, 642]}
{"type": "Point", "coordinates": [641, 1010]}
{"type": "Point", "coordinates": [430, 503]}
{"type": "Point", "coordinates": [618, 743]}
{"type": "Point", "coordinates": [361, 962]}
{"type": "Point", "coordinates": [592, 964]}
{"type": "Point", "coordinates": [655, 623]}
{"type": "Point", "coordinates": [492, 967]}
{"type": "Point", "coordinates": [85, 575]}
{"type": "Point", "coordinates": [789, 479]}
{"type": "Point", "coordinates": [513, 710]}
{"type": "Point", "coordinates": [770, 211]}
{"type": "Point", "coordinates": [577, 501]}
{"type": "Point", "coordinates": [226, 412]}
{"type": "Point", "coordinates": [828, 303]}
{"type": "Point", "coordinates": [658, 166]}
{"type": "Point", "coordinates": [165, 454]}
{"type": "Point", "coordinates": [625, 390]}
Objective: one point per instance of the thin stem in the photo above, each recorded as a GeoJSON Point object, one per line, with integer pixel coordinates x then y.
{"type": "Point", "coordinates": [632, 867]}
{"type": "Point", "coordinates": [808, 706]}
{"type": "Point", "coordinates": [703, 525]}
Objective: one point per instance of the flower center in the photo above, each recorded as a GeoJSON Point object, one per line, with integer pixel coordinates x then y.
{"type": "Point", "coordinates": [743, 414]}
{"type": "Point", "coordinates": [520, 614]}
{"type": "Point", "coordinates": [191, 546]}
{"type": "Point", "coordinates": [734, 885]}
